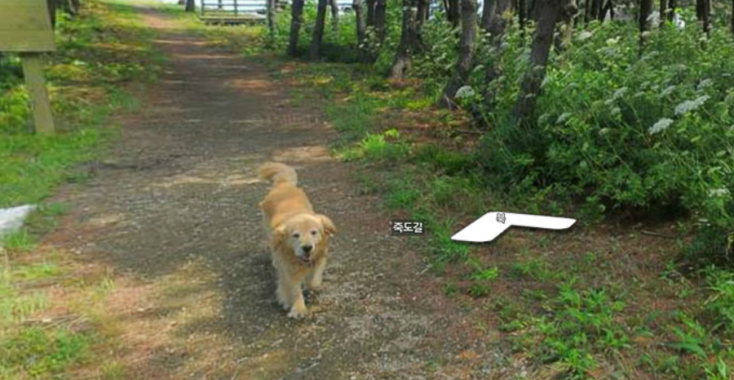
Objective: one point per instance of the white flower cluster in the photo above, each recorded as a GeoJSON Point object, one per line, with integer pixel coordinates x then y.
{"type": "Point", "coordinates": [722, 192]}
{"type": "Point", "coordinates": [465, 92]}
{"type": "Point", "coordinates": [660, 126]}
{"type": "Point", "coordinates": [690, 105]}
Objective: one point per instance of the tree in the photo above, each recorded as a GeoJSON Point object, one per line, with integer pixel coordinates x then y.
{"type": "Point", "coordinates": [466, 50]}
{"type": "Point", "coordinates": [74, 7]}
{"type": "Point", "coordinates": [492, 20]}
{"type": "Point", "coordinates": [370, 13]}
{"type": "Point", "coordinates": [496, 27]}
{"type": "Point", "coordinates": [318, 30]}
{"type": "Point", "coordinates": [521, 17]}
{"type": "Point", "coordinates": [296, 21]}
{"type": "Point", "coordinates": [644, 21]}
{"type": "Point", "coordinates": [408, 41]}
{"type": "Point", "coordinates": [606, 8]}
{"type": "Point", "coordinates": [334, 15]}
{"type": "Point", "coordinates": [703, 13]}
{"type": "Point", "coordinates": [549, 12]}
{"type": "Point", "coordinates": [190, 5]}
{"type": "Point", "coordinates": [360, 25]}
{"type": "Point", "coordinates": [663, 12]}
{"type": "Point", "coordinates": [671, 9]}
{"type": "Point", "coordinates": [452, 11]}
{"type": "Point", "coordinates": [380, 19]}
{"type": "Point", "coordinates": [271, 4]}
{"type": "Point", "coordinates": [70, 7]}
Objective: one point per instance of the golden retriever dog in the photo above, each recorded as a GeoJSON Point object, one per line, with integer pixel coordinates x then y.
{"type": "Point", "coordinates": [299, 237]}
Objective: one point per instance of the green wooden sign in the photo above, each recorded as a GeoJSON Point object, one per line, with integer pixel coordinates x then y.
{"type": "Point", "coordinates": [25, 28]}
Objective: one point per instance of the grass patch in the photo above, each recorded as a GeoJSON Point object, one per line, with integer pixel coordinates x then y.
{"type": "Point", "coordinates": [44, 333]}
{"type": "Point", "coordinates": [99, 52]}
{"type": "Point", "coordinates": [36, 352]}
{"type": "Point", "coordinates": [601, 302]}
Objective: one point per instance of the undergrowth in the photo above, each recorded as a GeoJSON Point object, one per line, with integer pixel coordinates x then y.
{"type": "Point", "coordinates": [616, 133]}
{"type": "Point", "coordinates": [100, 53]}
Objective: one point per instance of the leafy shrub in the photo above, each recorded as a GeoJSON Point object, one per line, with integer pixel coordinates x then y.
{"type": "Point", "coordinates": [624, 130]}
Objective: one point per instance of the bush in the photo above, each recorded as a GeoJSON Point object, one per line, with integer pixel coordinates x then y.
{"type": "Point", "coordinates": [624, 130]}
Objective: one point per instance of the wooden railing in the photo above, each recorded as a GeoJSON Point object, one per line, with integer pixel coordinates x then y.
{"type": "Point", "coordinates": [234, 7]}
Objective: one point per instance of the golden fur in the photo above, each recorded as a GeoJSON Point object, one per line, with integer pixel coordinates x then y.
{"type": "Point", "coordinates": [293, 227]}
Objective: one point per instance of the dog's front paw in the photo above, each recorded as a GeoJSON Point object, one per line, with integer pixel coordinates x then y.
{"type": "Point", "coordinates": [298, 313]}
{"type": "Point", "coordinates": [315, 284]}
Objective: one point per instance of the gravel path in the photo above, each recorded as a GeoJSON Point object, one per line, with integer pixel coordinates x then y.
{"type": "Point", "coordinates": [174, 209]}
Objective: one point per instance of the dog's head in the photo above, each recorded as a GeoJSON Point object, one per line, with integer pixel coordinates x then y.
{"type": "Point", "coordinates": [304, 235]}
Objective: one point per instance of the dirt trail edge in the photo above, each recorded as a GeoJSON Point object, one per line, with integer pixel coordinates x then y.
{"type": "Point", "coordinates": [173, 212]}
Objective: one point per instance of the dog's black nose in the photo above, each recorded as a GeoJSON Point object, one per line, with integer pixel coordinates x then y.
{"type": "Point", "coordinates": [307, 248]}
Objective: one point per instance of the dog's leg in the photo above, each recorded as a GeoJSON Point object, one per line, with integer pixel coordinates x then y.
{"type": "Point", "coordinates": [290, 295]}
{"type": "Point", "coordinates": [315, 278]}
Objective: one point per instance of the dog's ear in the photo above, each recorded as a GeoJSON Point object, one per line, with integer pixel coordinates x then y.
{"type": "Point", "coordinates": [279, 234]}
{"type": "Point", "coordinates": [328, 225]}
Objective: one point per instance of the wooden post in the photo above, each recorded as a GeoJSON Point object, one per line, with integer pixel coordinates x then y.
{"type": "Point", "coordinates": [33, 72]}
{"type": "Point", "coordinates": [25, 28]}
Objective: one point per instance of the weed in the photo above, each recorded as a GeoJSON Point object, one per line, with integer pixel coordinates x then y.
{"type": "Point", "coordinates": [39, 352]}
{"type": "Point", "coordinates": [18, 240]}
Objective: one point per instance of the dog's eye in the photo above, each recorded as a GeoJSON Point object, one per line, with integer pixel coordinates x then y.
{"type": "Point", "coordinates": [313, 232]}
{"type": "Point", "coordinates": [296, 235]}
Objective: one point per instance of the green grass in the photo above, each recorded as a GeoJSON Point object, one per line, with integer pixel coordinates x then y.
{"type": "Point", "coordinates": [101, 54]}
{"type": "Point", "coordinates": [39, 352]}
{"type": "Point", "coordinates": [599, 307]}
{"type": "Point", "coordinates": [97, 56]}
{"type": "Point", "coordinates": [19, 240]}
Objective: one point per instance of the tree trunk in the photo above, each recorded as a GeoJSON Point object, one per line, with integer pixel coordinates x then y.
{"type": "Point", "coordinates": [530, 11]}
{"type": "Point", "coordinates": [453, 12]}
{"type": "Point", "coordinates": [296, 21]}
{"type": "Point", "coordinates": [663, 12]}
{"type": "Point", "coordinates": [360, 25]}
{"type": "Point", "coordinates": [334, 15]}
{"type": "Point", "coordinates": [318, 30]}
{"type": "Point", "coordinates": [521, 17]}
{"type": "Point", "coordinates": [645, 10]}
{"type": "Point", "coordinates": [408, 40]}
{"type": "Point", "coordinates": [703, 13]}
{"type": "Point", "coordinates": [370, 12]}
{"type": "Point", "coordinates": [492, 21]}
{"type": "Point", "coordinates": [596, 7]}
{"type": "Point", "coordinates": [271, 4]}
{"type": "Point", "coordinates": [380, 19]}
{"type": "Point", "coordinates": [609, 9]}
{"type": "Point", "coordinates": [496, 28]}
{"type": "Point", "coordinates": [587, 10]}
{"type": "Point", "coordinates": [74, 7]}
{"type": "Point", "coordinates": [466, 50]}
{"type": "Point", "coordinates": [602, 10]}
{"type": "Point", "coordinates": [487, 6]}
{"type": "Point", "coordinates": [549, 12]}
{"type": "Point", "coordinates": [190, 6]}
{"type": "Point", "coordinates": [420, 17]}
{"type": "Point", "coordinates": [707, 17]}
{"type": "Point", "coordinates": [423, 9]}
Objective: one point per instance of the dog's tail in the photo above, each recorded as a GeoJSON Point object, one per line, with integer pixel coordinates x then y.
{"type": "Point", "coordinates": [278, 173]}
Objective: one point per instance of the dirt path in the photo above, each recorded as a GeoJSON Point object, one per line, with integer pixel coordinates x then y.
{"type": "Point", "coordinates": [174, 213]}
